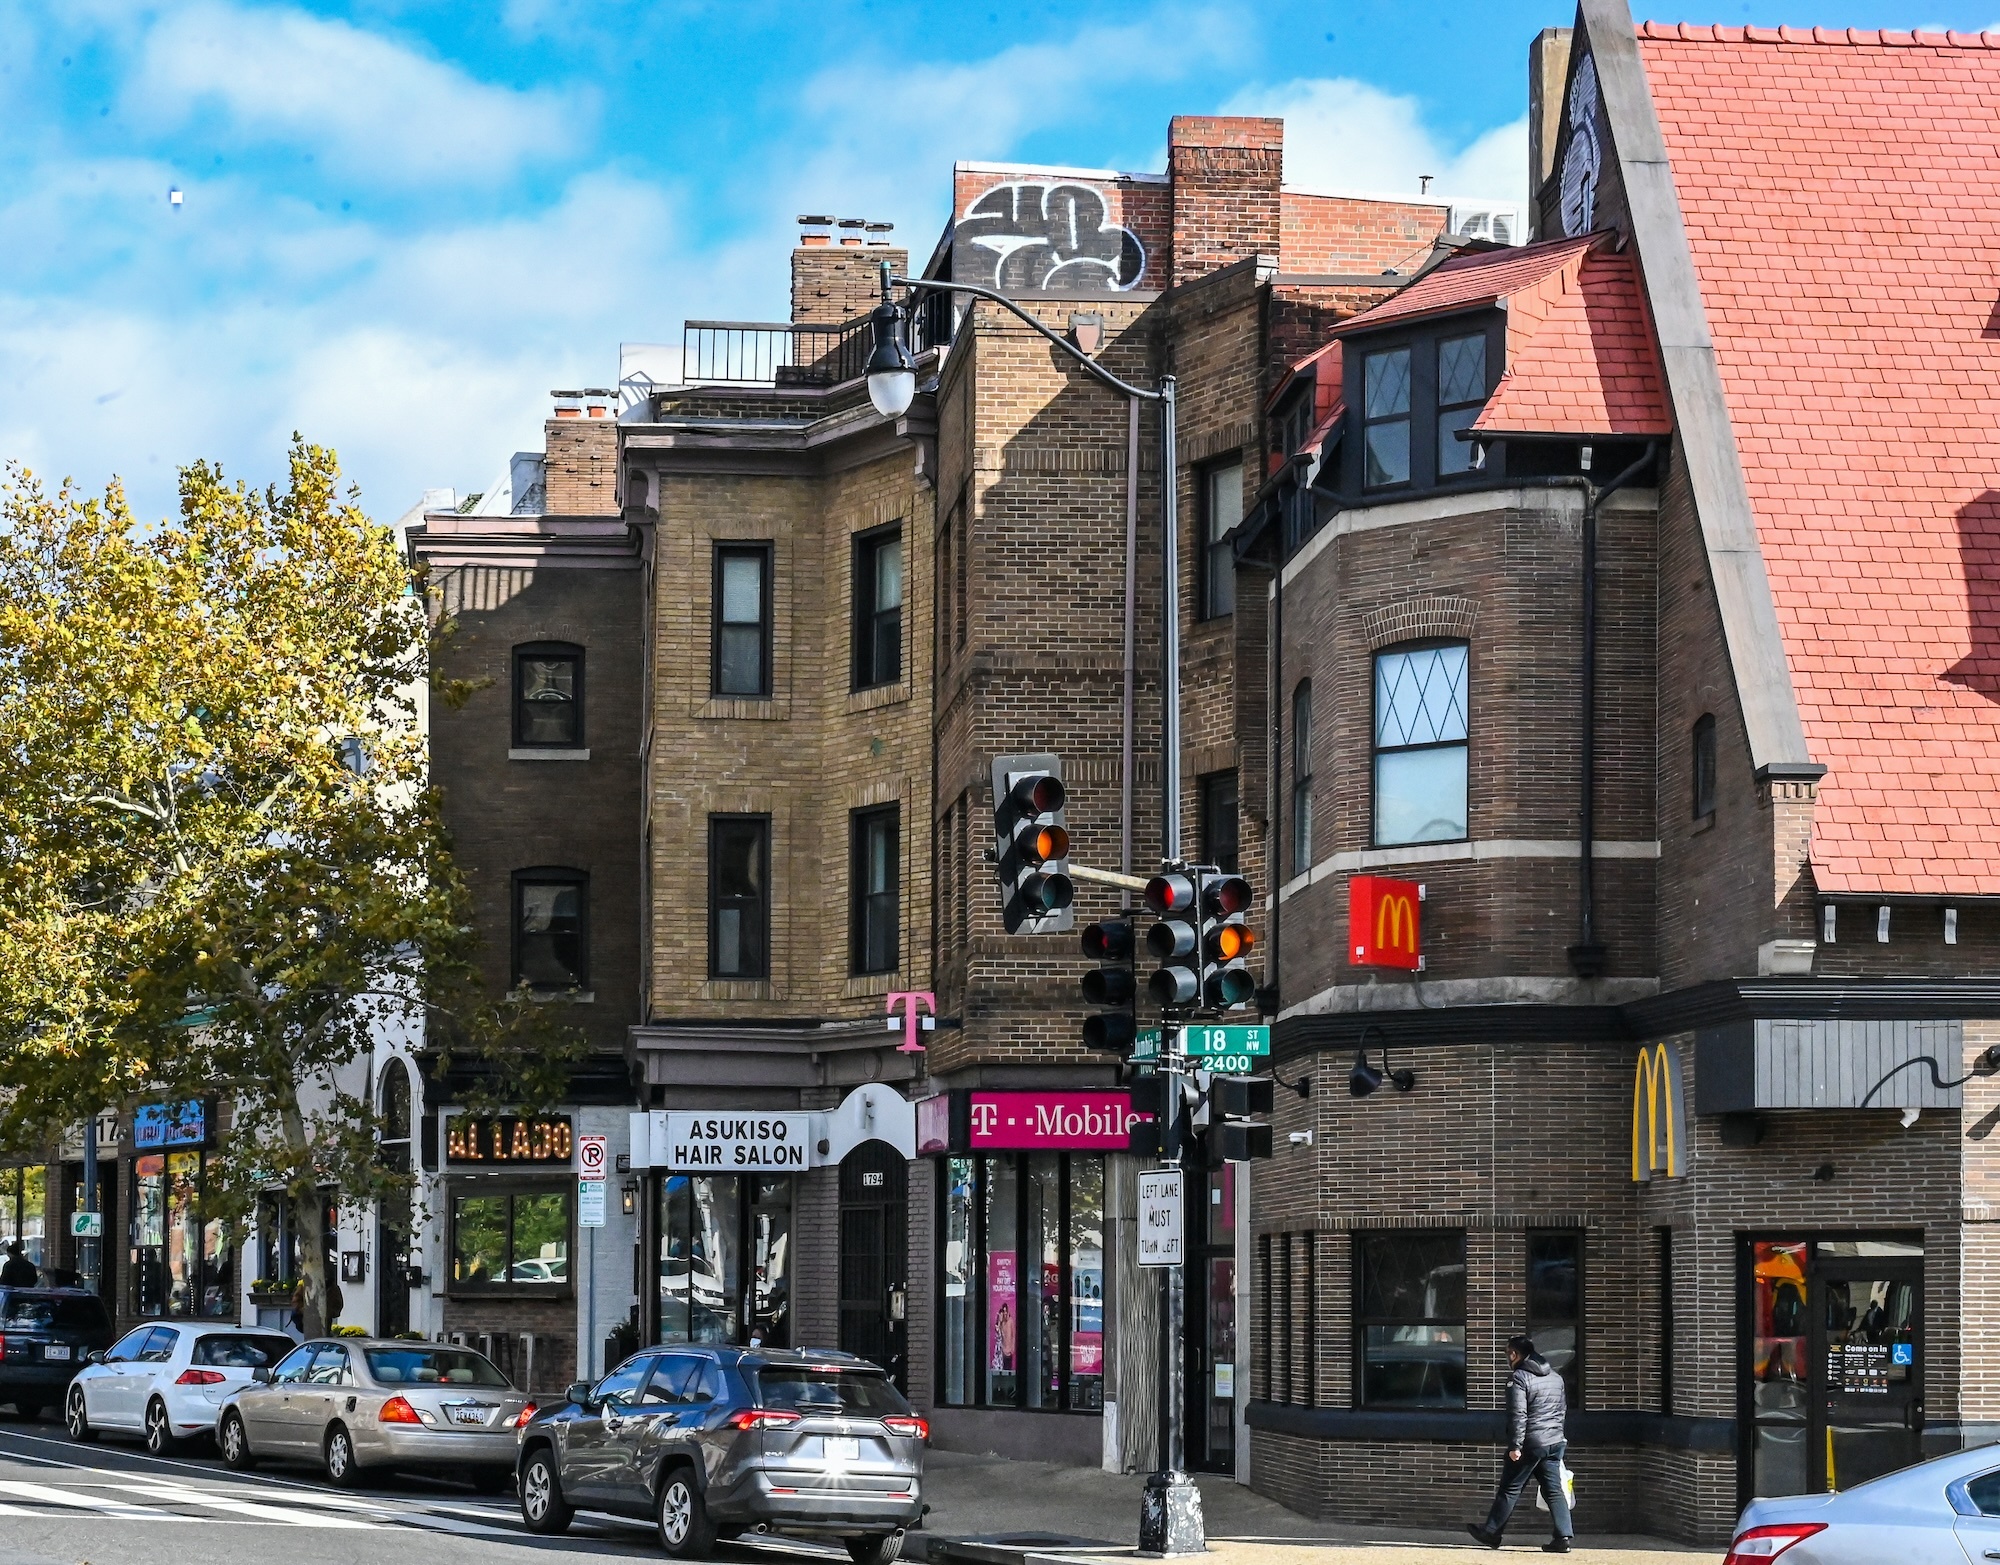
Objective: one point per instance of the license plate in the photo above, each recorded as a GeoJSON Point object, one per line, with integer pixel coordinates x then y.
{"type": "Point", "coordinates": [469, 1415]}
{"type": "Point", "coordinates": [842, 1449]}
{"type": "Point", "coordinates": [55, 1350]}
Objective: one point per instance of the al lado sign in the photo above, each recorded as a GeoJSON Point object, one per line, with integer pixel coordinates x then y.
{"type": "Point", "coordinates": [733, 1143]}
{"type": "Point", "coordinates": [1384, 923]}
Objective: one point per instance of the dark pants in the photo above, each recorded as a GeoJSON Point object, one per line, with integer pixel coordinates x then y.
{"type": "Point", "coordinates": [1543, 1463]}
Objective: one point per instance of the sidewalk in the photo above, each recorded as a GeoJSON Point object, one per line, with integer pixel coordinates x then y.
{"type": "Point", "coordinates": [1056, 1513]}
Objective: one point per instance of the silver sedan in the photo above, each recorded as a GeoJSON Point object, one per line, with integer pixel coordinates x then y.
{"type": "Point", "coordinates": [1942, 1512]}
{"type": "Point", "coordinates": [356, 1403]}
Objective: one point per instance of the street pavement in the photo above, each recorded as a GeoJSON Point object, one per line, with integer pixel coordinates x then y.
{"type": "Point", "coordinates": [111, 1504]}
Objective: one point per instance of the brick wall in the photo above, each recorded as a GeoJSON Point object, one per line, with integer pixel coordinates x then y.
{"type": "Point", "coordinates": [581, 456]}
{"type": "Point", "coordinates": [1226, 174]}
{"type": "Point", "coordinates": [832, 284]}
{"type": "Point", "coordinates": [1353, 235]}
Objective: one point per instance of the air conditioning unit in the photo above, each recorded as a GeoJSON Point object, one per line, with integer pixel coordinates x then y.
{"type": "Point", "coordinates": [1503, 225]}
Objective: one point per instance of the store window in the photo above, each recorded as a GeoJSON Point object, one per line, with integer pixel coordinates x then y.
{"type": "Point", "coordinates": [182, 1262]}
{"type": "Point", "coordinates": [1409, 1318]}
{"type": "Point", "coordinates": [721, 1233]}
{"type": "Point", "coordinates": [24, 1207]}
{"type": "Point", "coordinates": [280, 1243]}
{"type": "Point", "coordinates": [1421, 726]}
{"type": "Point", "coordinates": [510, 1241]}
{"type": "Point", "coordinates": [1022, 1281]}
{"type": "Point", "coordinates": [548, 696]}
{"type": "Point", "coordinates": [1555, 1305]}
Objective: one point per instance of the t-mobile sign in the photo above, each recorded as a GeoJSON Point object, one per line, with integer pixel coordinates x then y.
{"type": "Point", "coordinates": [1067, 1121]}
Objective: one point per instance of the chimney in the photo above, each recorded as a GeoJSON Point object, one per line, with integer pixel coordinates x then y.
{"type": "Point", "coordinates": [569, 404]}
{"type": "Point", "coordinates": [833, 283]}
{"type": "Point", "coordinates": [1226, 174]}
{"type": "Point", "coordinates": [1548, 78]}
{"type": "Point", "coordinates": [580, 461]}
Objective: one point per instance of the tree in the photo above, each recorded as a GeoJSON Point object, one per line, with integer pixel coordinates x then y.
{"type": "Point", "coordinates": [222, 864]}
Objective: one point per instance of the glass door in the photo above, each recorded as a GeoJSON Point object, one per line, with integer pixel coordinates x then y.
{"type": "Point", "coordinates": [1210, 1350]}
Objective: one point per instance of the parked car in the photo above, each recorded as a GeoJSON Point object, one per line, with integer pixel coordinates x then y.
{"type": "Point", "coordinates": [44, 1335]}
{"type": "Point", "coordinates": [713, 1442]}
{"type": "Point", "coordinates": [358, 1403]}
{"type": "Point", "coordinates": [1941, 1512]}
{"type": "Point", "coordinates": [166, 1382]}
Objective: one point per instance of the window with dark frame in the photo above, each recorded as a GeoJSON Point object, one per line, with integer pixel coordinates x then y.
{"type": "Point", "coordinates": [1422, 727]}
{"type": "Point", "coordinates": [1703, 753]}
{"type": "Point", "coordinates": [1461, 393]}
{"type": "Point", "coordinates": [1409, 1318]}
{"type": "Point", "coordinates": [742, 631]}
{"type": "Point", "coordinates": [1555, 1304]}
{"type": "Point", "coordinates": [1216, 795]}
{"type": "Point", "coordinates": [1302, 778]}
{"type": "Point", "coordinates": [1286, 1335]}
{"type": "Point", "coordinates": [878, 607]}
{"type": "Point", "coordinates": [1267, 1304]}
{"type": "Point", "coordinates": [875, 922]}
{"type": "Point", "coordinates": [551, 937]}
{"type": "Point", "coordinates": [1385, 418]}
{"type": "Point", "coordinates": [548, 696]}
{"type": "Point", "coordinates": [1221, 511]}
{"type": "Point", "coordinates": [1309, 1347]}
{"type": "Point", "coordinates": [1665, 1238]}
{"type": "Point", "coordinates": [510, 1241]}
{"type": "Point", "coordinates": [739, 906]}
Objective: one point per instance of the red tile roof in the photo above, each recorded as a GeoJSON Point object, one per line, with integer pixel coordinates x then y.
{"type": "Point", "coordinates": [1581, 358]}
{"type": "Point", "coordinates": [1470, 280]}
{"type": "Point", "coordinates": [1842, 199]}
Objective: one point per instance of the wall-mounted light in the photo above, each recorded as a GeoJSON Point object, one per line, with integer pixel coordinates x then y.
{"type": "Point", "coordinates": [1303, 1086]}
{"type": "Point", "coordinates": [628, 1197]}
{"type": "Point", "coordinates": [1364, 1079]}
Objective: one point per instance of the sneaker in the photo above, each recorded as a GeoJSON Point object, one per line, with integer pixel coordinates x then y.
{"type": "Point", "coordinates": [1556, 1546]}
{"type": "Point", "coordinates": [1478, 1531]}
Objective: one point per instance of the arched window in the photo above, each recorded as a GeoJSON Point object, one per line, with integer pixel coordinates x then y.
{"type": "Point", "coordinates": [395, 1101]}
{"type": "Point", "coordinates": [1703, 767]}
{"type": "Point", "coordinates": [1302, 780]}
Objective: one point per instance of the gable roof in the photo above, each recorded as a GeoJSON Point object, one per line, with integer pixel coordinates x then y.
{"type": "Point", "coordinates": [1470, 280]}
{"type": "Point", "coordinates": [1842, 206]}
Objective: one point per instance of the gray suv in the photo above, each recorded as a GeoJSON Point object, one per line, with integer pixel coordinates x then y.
{"type": "Point", "coordinates": [713, 1442]}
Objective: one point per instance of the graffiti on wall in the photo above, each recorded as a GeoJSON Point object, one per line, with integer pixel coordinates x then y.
{"type": "Point", "coordinates": [1047, 238]}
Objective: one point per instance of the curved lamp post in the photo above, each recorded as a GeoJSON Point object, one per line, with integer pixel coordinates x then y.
{"type": "Point", "coordinates": [1170, 1520]}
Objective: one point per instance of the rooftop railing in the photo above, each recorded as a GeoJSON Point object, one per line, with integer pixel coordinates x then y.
{"type": "Point", "coordinates": [766, 353]}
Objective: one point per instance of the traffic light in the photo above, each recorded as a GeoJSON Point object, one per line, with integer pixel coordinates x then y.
{"type": "Point", "coordinates": [1226, 939]}
{"type": "Point", "coordinates": [1232, 1100]}
{"type": "Point", "coordinates": [1175, 939]}
{"type": "Point", "coordinates": [1149, 1102]}
{"type": "Point", "coordinates": [1109, 942]}
{"type": "Point", "coordinates": [1031, 844]}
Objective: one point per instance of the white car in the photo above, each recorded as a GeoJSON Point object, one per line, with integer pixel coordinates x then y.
{"type": "Point", "coordinates": [167, 1382]}
{"type": "Point", "coordinates": [1941, 1512]}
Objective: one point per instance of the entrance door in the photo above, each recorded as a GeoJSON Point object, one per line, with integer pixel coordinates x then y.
{"type": "Point", "coordinates": [874, 1257]}
{"type": "Point", "coordinates": [1209, 1352]}
{"type": "Point", "coordinates": [1834, 1383]}
{"type": "Point", "coordinates": [392, 1263]}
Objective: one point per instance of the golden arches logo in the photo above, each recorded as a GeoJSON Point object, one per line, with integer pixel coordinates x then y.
{"type": "Point", "coordinates": [1396, 924]}
{"type": "Point", "coordinates": [1659, 1124]}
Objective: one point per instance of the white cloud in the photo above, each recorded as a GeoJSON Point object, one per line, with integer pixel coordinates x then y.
{"type": "Point", "coordinates": [365, 103]}
{"type": "Point", "coordinates": [1344, 135]}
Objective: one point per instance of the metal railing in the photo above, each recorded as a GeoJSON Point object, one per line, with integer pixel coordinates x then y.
{"type": "Point", "coordinates": [766, 353]}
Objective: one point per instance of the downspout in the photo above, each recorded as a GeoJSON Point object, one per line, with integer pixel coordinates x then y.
{"type": "Point", "coordinates": [1586, 957]}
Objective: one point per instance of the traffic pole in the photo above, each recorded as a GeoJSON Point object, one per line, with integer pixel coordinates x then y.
{"type": "Point", "coordinates": [1170, 1519]}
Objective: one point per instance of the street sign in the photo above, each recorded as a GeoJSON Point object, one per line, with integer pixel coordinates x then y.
{"type": "Point", "coordinates": [86, 1225]}
{"type": "Point", "coordinates": [590, 1203]}
{"type": "Point", "coordinates": [1146, 1044]}
{"type": "Point", "coordinates": [1161, 1224]}
{"type": "Point", "coordinates": [1251, 1038]}
{"type": "Point", "coordinates": [593, 1155]}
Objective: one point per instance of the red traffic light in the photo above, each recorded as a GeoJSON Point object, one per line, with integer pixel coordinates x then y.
{"type": "Point", "coordinates": [1109, 940]}
{"type": "Point", "coordinates": [1170, 893]}
{"type": "Point", "coordinates": [1042, 794]}
{"type": "Point", "coordinates": [1225, 894]}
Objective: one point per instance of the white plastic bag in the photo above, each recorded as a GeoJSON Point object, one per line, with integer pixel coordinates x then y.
{"type": "Point", "coordinates": [1569, 1490]}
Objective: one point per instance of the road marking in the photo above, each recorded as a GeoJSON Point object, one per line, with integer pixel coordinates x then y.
{"type": "Point", "coordinates": [50, 1495]}
{"type": "Point", "coordinates": [181, 1494]}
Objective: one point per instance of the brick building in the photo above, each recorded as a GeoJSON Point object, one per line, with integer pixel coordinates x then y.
{"type": "Point", "coordinates": [1701, 1087]}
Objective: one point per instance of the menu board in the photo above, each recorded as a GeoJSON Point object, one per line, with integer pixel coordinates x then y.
{"type": "Point", "coordinates": [1859, 1368]}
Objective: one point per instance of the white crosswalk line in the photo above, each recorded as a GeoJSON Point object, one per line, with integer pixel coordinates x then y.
{"type": "Point", "coordinates": [181, 1494]}
{"type": "Point", "coordinates": [49, 1495]}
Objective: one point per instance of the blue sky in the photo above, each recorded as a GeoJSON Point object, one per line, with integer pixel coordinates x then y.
{"type": "Point", "coordinates": [406, 220]}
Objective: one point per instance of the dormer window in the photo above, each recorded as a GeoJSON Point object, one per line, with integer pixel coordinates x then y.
{"type": "Point", "coordinates": [1421, 388]}
{"type": "Point", "coordinates": [1386, 417]}
{"type": "Point", "coordinates": [1461, 394]}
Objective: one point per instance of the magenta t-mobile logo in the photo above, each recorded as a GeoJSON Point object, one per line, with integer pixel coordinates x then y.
{"type": "Point", "coordinates": [916, 1002]}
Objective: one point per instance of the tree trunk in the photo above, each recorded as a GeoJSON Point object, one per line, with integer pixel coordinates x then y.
{"type": "Point", "coordinates": [309, 1223]}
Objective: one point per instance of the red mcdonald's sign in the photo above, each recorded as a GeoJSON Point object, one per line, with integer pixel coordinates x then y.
{"type": "Point", "coordinates": [1384, 922]}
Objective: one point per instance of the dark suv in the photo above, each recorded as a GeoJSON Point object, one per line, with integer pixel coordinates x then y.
{"type": "Point", "coordinates": [715, 1442]}
{"type": "Point", "coordinates": [44, 1334]}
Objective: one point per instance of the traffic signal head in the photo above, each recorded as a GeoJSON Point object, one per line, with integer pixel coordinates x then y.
{"type": "Point", "coordinates": [1226, 939]}
{"type": "Point", "coordinates": [1232, 1100]}
{"type": "Point", "coordinates": [1031, 843]}
{"type": "Point", "coordinates": [1110, 942]}
{"type": "Point", "coordinates": [1175, 940]}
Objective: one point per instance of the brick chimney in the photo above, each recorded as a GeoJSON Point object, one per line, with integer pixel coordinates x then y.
{"type": "Point", "coordinates": [1226, 174]}
{"type": "Point", "coordinates": [832, 283]}
{"type": "Point", "coordinates": [580, 445]}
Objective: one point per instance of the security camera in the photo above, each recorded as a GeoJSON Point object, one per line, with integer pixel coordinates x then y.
{"type": "Point", "coordinates": [1301, 1138]}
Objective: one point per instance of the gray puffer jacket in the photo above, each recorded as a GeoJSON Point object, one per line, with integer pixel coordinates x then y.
{"type": "Point", "coordinates": [1535, 1405]}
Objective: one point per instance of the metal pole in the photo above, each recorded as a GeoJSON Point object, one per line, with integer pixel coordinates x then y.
{"type": "Point", "coordinates": [1170, 630]}
{"type": "Point", "coordinates": [1131, 641]}
{"type": "Point", "coordinates": [1170, 1519]}
{"type": "Point", "coordinates": [89, 1250]}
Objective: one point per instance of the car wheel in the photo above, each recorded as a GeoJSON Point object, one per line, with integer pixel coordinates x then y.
{"type": "Point", "coordinates": [160, 1439]}
{"type": "Point", "coordinates": [883, 1549]}
{"type": "Point", "coordinates": [28, 1412]}
{"type": "Point", "coordinates": [76, 1416]}
{"type": "Point", "coordinates": [685, 1530]}
{"type": "Point", "coordinates": [235, 1443]}
{"type": "Point", "coordinates": [542, 1505]}
{"type": "Point", "coordinates": [342, 1470]}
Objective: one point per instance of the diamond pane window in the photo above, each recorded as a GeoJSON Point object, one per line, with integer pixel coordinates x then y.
{"type": "Point", "coordinates": [1461, 394]}
{"type": "Point", "coordinates": [1421, 727]}
{"type": "Point", "coordinates": [1386, 417]}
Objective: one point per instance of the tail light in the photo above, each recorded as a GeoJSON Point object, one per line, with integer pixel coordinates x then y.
{"type": "Point", "coordinates": [397, 1410]}
{"type": "Point", "coordinates": [907, 1424]}
{"type": "Point", "coordinates": [1767, 1543]}
{"type": "Point", "coordinates": [521, 1418]}
{"type": "Point", "coordinates": [763, 1418]}
{"type": "Point", "coordinates": [199, 1377]}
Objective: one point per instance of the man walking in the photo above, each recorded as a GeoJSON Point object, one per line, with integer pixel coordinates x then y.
{"type": "Point", "coordinates": [19, 1272]}
{"type": "Point", "coordinates": [1536, 1406]}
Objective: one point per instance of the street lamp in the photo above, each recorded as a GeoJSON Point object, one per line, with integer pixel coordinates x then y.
{"type": "Point", "coordinates": [1170, 1520]}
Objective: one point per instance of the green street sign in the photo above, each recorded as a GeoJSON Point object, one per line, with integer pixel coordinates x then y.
{"type": "Point", "coordinates": [1231, 1042]}
{"type": "Point", "coordinates": [1146, 1044]}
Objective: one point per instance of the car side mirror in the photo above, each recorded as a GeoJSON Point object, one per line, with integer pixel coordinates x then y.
{"type": "Point", "coordinates": [261, 1374]}
{"type": "Point", "coordinates": [94, 1356]}
{"type": "Point", "coordinates": [579, 1393]}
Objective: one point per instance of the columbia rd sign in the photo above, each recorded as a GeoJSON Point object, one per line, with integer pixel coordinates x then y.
{"type": "Point", "coordinates": [736, 1143]}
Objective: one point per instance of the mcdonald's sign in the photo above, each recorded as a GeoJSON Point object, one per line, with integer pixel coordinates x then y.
{"type": "Point", "coordinates": [1384, 922]}
{"type": "Point", "coordinates": [1659, 1118]}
